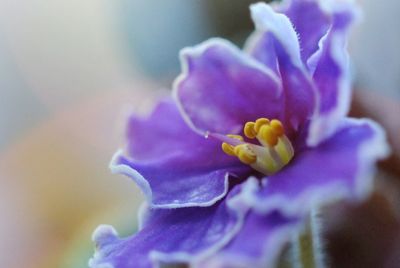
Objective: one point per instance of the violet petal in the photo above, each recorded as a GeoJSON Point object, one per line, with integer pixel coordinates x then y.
{"type": "Point", "coordinates": [184, 235]}
{"type": "Point", "coordinates": [174, 166]}
{"type": "Point", "coordinates": [259, 242]}
{"type": "Point", "coordinates": [221, 88]}
{"type": "Point", "coordinates": [275, 29]}
{"type": "Point", "coordinates": [330, 67]}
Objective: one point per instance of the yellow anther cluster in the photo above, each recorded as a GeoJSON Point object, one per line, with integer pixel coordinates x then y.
{"type": "Point", "coordinates": [259, 123]}
{"type": "Point", "coordinates": [268, 131]}
{"type": "Point", "coordinates": [274, 151]}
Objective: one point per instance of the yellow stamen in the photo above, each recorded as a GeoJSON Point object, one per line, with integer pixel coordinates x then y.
{"type": "Point", "coordinates": [277, 127]}
{"type": "Point", "coordinates": [238, 137]}
{"type": "Point", "coordinates": [245, 154]}
{"type": "Point", "coordinates": [284, 149]}
{"type": "Point", "coordinates": [249, 130]}
{"type": "Point", "coordinates": [228, 149]}
{"type": "Point", "coordinates": [259, 123]}
{"type": "Point", "coordinates": [268, 135]}
{"type": "Point", "coordinates": [274, 151]}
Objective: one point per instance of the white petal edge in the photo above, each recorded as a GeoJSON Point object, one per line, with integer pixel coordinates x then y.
{"type": "Point", "coordinates": [143, 184]}
{"type": "Point", "coordinates": [102, 231]}
{"type": "Point", "coordinates": [143, 215]}
{"type": "Point", "coordinates": [324, 125]}
{"type": "Point", "coordinates": [266, 19]}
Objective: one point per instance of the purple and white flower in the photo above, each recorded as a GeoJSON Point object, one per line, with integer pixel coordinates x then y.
{"type": "Point", "coordinates": [278, 109]}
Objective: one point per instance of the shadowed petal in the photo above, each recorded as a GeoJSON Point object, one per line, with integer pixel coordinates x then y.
{"type": "Point", "coordinates": [261, 46]}
{"type": "Point", "coordinates": [275, 36]}
{"type": "Point", "coordinates": [331, 73]}
{"type": "Point", "coordinates": [338, 167]}
{"type": "Point", "coordinates": [221, 88]}
{"type": "Point", "coordinates": [174, 166]}
{"type": "Point", "coordinates": [258, 243]}
{"type": "Point", "coordinates": [310, 22]}
{"type": "Point", "coordinates": [185, 235]}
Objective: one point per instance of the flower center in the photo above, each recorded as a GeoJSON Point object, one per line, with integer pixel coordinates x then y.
{"type": "Point", "coordinates": [274, 151]}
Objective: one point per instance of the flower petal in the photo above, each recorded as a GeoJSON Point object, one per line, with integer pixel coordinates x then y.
{"type": "Point", "coordinates": [162, 134]}
{"type": "Point", "coordinates": [184, 235]}
{"type": "Point", "coordinates": [331, 72]}
{"type": "Point", "coordinates": [310, 22]}
{"type": "Point", "coordinates": [267, 21]}
{"type": "Point", "coordinates": [260, 45]}
{"type": "Point", "coordinates": [221, 88]}
{"type": "Point", "coordinates": [184, 169]}
{"type": "Point", "coordinates": [340, 166]}
{"type": "Point", "coordinates": [275, 36]}
{"type": "Point", "coordinates": [173, 182]}
{"type": "Point", "coordinates": [258, 243]}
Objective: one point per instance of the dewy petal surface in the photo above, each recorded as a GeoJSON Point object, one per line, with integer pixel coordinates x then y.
{"type": "Point", "coordinates": [259, 242]}
{"type": "Point", "coordinates": [340, 166]}
{"type": "Point", "coordinates": [330, 68]}
{"type": "Point", "coordinates": [275, 34]}
{"type": "Point", "coordinates": [184, 235]}
{"type": "Point", "coordinates": [221, 88]}
{"type": "Point", "coordinates": [173, 165]}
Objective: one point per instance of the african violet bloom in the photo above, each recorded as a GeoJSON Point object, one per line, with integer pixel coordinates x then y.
{"type": "Point", "coordinates": [278, 110]}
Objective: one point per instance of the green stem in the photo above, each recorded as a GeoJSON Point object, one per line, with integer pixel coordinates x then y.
{"type": "Point", "coordinates": [307, 245]}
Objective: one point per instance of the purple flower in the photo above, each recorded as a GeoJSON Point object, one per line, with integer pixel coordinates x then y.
{"type": "Point", "coordinates": [278, 110]}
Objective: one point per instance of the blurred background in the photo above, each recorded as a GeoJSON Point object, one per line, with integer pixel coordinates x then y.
{"type": "Point", "coordinates": [70, 73]}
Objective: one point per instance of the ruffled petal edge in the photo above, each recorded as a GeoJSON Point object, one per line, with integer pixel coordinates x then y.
{"type": "Point", "coordinates": [106, 234]}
